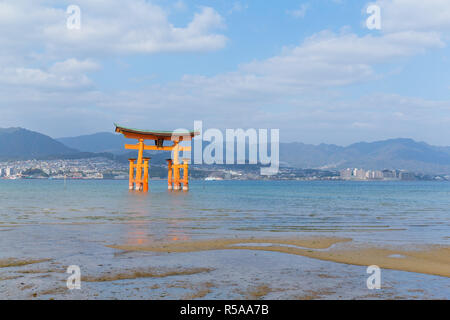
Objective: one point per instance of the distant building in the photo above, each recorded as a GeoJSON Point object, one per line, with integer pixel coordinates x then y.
{"type": "Point", "coordinates": [389, 174]}
{"type": "Point", "coordinates": [359, 174]}
{"type": "Point", "coordinates": [346, 174]}
{"type": "Point", "coordinates": [9, 172]}
{"type": "Point", "coordinates": [374, 175]}
{"type": "Point", "coordinates": [404, 175]}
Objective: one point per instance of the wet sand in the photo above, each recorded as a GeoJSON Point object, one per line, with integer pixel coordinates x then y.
{"type": "Point", "coordinates": [426, 259]}
{"type": "Point", "coordinates": [13, 262]}
{"type": "Point", "coordinates": [212, 274]}
{"type": "Point", "coordinates": [144, 273]}
{"type": "Point", "coordinates": [227, 243]}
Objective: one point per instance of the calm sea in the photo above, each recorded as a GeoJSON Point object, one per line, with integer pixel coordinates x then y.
{"type": "Point", "coordinates": [377, 211]}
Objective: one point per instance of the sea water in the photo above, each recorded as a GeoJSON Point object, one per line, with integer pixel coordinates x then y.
{"type": "Point", "coordinates": [382, 211]}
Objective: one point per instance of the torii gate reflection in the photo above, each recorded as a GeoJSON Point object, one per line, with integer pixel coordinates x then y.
{"type": "Point", "coordinates": [145, 228]}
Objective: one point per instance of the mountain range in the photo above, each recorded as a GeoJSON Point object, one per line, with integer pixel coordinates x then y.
{"type": "Point", "coordinates": [97, 142]}
{"type": "Point", "coordinates": [406, 154]}
{"type": "Point", "coordinates": [18, 143]}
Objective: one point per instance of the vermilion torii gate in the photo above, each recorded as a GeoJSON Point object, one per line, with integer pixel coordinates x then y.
{"type": "Point", "coordinates": [138, 176]}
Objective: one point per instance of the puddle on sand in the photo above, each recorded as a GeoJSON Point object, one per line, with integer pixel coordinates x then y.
{"type": "Point", "coordinates": [399, 256]}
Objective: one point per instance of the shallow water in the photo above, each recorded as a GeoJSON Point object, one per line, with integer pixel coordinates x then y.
{"type": "Point", "coordinates": [73, 223]}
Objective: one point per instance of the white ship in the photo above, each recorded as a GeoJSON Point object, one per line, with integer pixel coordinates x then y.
{"type": "Point", "coordinates": [213, 179]}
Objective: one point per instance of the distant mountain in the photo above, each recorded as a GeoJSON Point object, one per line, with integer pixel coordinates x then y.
{"type": "Point", "coordinates": [404, 154]}
{"type": "Point", "coordinates": [111, 144]}
{"type": "Point", "coordinates": [97, 142]}
{"type": "Point", "coordinates": [18, 143]}
{"type": "Point", "coordinates": [22, 144]}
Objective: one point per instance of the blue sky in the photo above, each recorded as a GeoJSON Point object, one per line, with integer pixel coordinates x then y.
{"type": "Point", "coordinates": [256, 30]}
{"type": "Point", "coordinates": [309, 68]}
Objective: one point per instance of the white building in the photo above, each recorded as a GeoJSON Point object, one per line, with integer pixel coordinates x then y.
{"type": "Point", "coordinates": [359, 174]}
{"type": "Point", "coordinates": [9, 172]}
{"type": "Point", "coordinates": [374, 175]}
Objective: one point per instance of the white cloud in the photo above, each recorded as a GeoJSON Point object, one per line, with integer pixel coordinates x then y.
{"type": "Point", "coordinates": [300, 12]}
{"type": "Point", "coordinates": [107, 27]}
{"type": "Point", "coordinates": [320, 116]}
{"type": "Point", "coordinates": [238, 7]}
{"type": "Point", "coordinates": [180, 5]}
{"type": "Point", "coordinates": [324, 60]}
{"type": "Point", "coordinates": [68, 74]}
{"type": "Point", "coordinates": [417, 15]}
{"type": "Point", "coordinates": [74, 66]}
{"type": "Point", "coordinates": [34, 36]}
{"type": "Point", "coordinates": [362, 125]}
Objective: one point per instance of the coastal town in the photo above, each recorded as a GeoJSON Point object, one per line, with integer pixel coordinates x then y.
{"type": "Point", "coordinates": [361, 174]}
{"type": "Point", "coordinates": [96, 168]}
{"type": "Point", "coordinates": [103, 168]}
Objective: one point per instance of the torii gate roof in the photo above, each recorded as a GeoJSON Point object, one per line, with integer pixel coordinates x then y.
{"type": "Point", "coordinates": [133, 133]}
